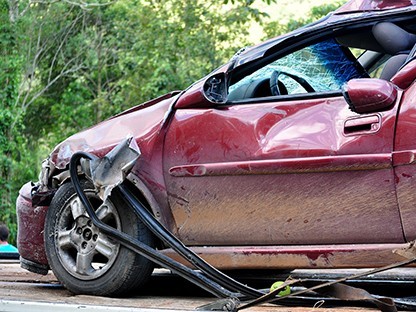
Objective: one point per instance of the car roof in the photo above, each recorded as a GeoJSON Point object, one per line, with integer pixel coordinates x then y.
{"type": "Point", "coordinates": [354, 10]}
{"type": "Point", "coordinates": [373, 5]}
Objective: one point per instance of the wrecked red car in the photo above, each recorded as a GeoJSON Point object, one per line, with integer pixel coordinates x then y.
{"type": "Point", "coordinates": [298, 153]}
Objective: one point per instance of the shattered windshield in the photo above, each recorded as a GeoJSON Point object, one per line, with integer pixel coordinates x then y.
{"type": "Point", "coordinates": [325, 66]}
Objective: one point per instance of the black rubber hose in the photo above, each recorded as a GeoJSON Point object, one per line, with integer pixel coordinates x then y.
{"type": "Point", "coordinates": [162, 233]}
{"type": "Point", "coordinates": [138, 247]}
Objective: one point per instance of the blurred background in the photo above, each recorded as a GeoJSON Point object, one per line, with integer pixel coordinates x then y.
{"type": "Point", "coordinates": [68, 64]}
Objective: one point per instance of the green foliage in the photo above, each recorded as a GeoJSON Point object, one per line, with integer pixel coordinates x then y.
{"type": "Point", "coordinates": [17, 162]}
{"type": "Point", "coordinates": [248, 2]}
{"type": "Point", "coordinates": [131, 51]}
{"type": "Point", "coordinates": [10, 67]}
{"type": "Point", "coordinates": [177, 45]}
{"type": "Point", "coordinates": [276, 28]}
{"type": "Point", "coordinates": [64, 67]}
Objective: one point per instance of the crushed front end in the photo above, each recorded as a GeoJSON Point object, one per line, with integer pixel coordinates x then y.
{"type": "Point", "coordinates": [31, 206]}
{"type": "Point", "coordinates": [34, 198]}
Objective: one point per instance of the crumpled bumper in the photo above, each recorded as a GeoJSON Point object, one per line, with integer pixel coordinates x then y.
{"type": "Point", "coordinates": [30, 241]}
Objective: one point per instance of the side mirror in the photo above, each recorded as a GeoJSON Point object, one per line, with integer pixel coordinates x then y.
{"type": "Point", "coordinates": [215, 89]}
{"type": "Point", "coordinates": [369, 95]}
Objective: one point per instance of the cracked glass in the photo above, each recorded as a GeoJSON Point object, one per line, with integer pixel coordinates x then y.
{"type": "Point", "coordinates": [324, 66]}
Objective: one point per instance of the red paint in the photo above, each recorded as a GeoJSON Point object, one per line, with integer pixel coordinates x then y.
{"type": "Point", "coordinates": [280, 156]}
{"type": "Point", "coordinates": [285, 166]}
{"type": "Point", "coordinates": [405, 161]}
{"type": "Point", "coordinates": [374, 5]}
{"type": "Point", "coordinates": [273, 182]}
{"type": "Point", "coordinates": [297, 257]}
{"type": "Point", "coordinates": [144, 124]}
{"type": "Point", "coordinates": [406, 76]}
{"type": "Point", "coordinates": [371, 95]}
{"type": "Point", "coordinates": [30, 240]}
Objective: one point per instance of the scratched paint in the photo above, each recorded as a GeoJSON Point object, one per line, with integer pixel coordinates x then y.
{"type": "Point", "coordinates": [30, 242]}
{"type": "Point", "coordinates": [296, 257]}
{"type": "Point", "coordinates": [248, 174]}
{"type": "Point", "coordinates": [242, 171]}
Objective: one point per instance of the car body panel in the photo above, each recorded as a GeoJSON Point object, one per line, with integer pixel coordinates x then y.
{"type": "Point", "coordinates": [31, 220]}
{"type": "Point", "coordinates": [146, 126]}
{"type": "Point", "coordinates": [405, 154]}
{"type": "Point", "coordinates": [374, 5]}
{"type": "Point", "coordinates": [268, 183]}
{"type": "Point", "coordinates": [254, 160]}
{"type": "Point", "coordinates": [296, 257]}
{"type": "Point", "coordinates": [406, 76]}
{"type": "Point", "coordinates": [142, 123]}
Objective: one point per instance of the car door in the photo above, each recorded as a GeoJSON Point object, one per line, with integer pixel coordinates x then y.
{"type": "Point", "coordinates": [405, 149]}
{"type": "Point", "coordinates": [296, 167]}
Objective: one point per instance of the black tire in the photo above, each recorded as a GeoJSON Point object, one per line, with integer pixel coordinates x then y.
{"type": "Point", "coordinates": [86, 261]}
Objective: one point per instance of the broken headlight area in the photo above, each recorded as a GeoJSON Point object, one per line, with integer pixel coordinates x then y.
{"type": "Point", "coordinates": [42, 191]}
{"type": "Point", "coordinates": [50, 178]}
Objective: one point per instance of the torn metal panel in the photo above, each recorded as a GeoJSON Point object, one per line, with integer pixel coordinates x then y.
{"type": "Point", "coordinates": [111, 170]}
{"type": "Point", "coordinates": [348, 293]}
{"type": "Point", "coordinates": [408, 252]}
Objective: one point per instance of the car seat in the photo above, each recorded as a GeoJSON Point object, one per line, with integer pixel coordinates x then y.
{"type": "Point", "coordinates": [395, 41]}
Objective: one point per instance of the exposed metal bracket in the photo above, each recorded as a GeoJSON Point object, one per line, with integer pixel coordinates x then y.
{"type": "Point", "coordinates": [228, 304]}
{"type": "Point", "coordinates": [408, 252]}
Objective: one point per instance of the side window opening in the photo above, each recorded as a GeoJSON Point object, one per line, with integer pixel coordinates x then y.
{"type": "Point", "coordinates": [376, 70]}
{"type": "Point", "coordinates": [321, 67]}
{"type": "Point", "coordinates": [373, 62]}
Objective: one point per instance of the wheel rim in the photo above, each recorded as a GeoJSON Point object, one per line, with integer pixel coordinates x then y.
{"type": "Point", "coordinates": [83, 250]}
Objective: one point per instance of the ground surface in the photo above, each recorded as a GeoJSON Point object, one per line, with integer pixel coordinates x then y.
{"type": "Point", "coordinates": [165, 291]}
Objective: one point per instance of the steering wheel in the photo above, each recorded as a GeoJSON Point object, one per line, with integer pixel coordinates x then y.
{"type": "Point", "coordinates": [278, 88]}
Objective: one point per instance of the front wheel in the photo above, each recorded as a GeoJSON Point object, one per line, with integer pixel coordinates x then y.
{"type": "Point", "coordinates": [85, 260]}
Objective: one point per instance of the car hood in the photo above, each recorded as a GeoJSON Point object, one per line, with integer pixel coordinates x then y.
{"type": "Point", "coordinates": [141, 122]}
